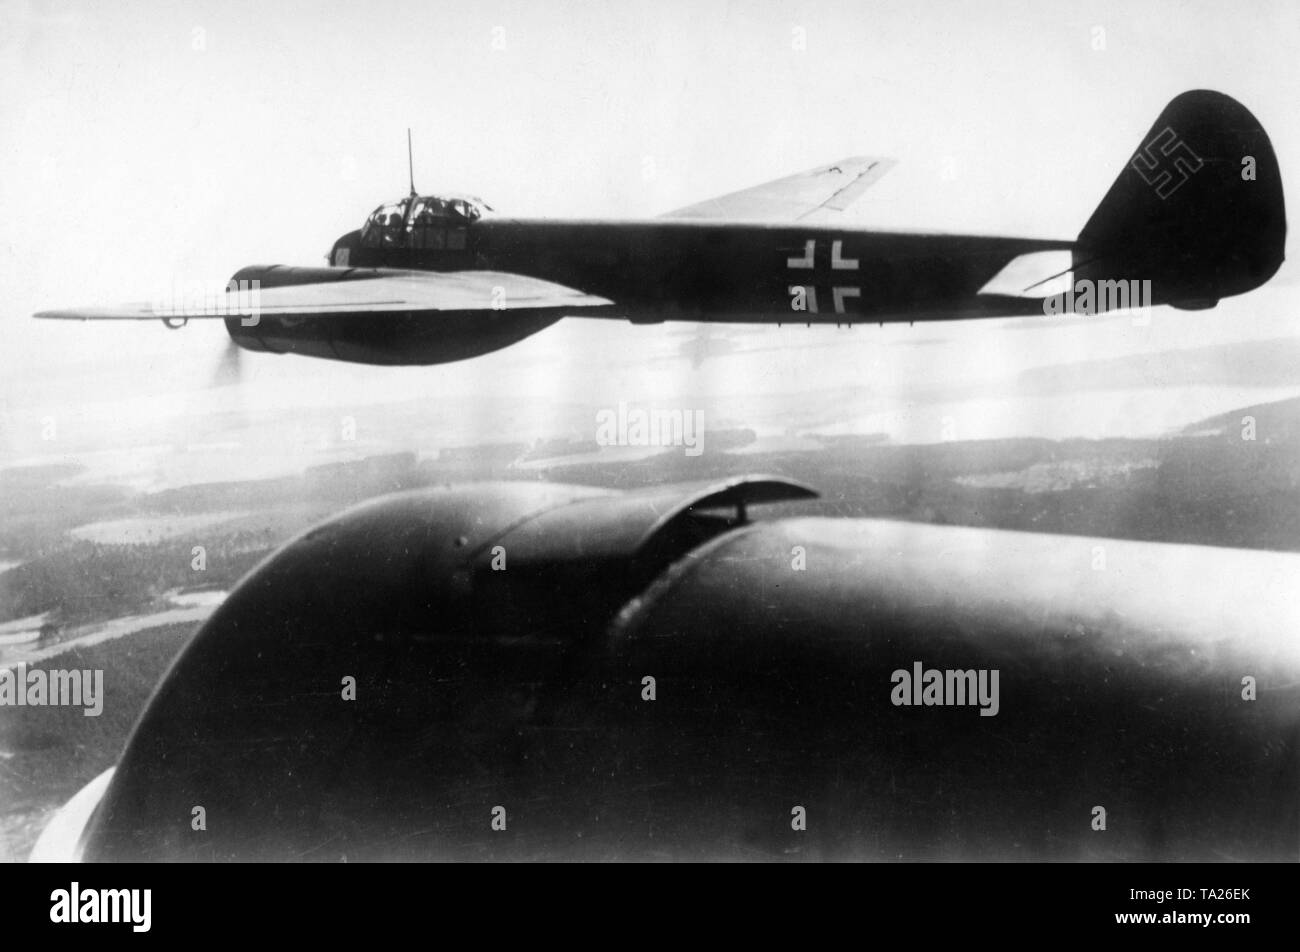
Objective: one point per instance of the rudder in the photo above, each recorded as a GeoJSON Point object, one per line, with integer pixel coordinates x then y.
{"type": "Point", "coordinates": [1198, 209]}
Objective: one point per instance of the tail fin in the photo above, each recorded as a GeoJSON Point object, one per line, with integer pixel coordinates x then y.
{"type": "Point", "coordinates": [1198, 210]}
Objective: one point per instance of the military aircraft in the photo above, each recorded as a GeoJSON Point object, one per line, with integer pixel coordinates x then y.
{"type": "Point", "coordinates": [1196, 215]}
{"type": "Point", "coordinates": [529, 670]}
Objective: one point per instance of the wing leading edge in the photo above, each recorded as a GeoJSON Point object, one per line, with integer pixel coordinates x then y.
{"type": "Point", "coordinates": [319, 292]}
{"type": "Point", "coordinates": [826, 188]}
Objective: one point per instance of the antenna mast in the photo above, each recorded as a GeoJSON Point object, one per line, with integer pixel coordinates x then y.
{"type": "Point", "coordinates": [410, 162]}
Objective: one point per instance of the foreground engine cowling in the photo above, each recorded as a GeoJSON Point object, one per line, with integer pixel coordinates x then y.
{"type": "Point", "coordinates": [552, 672]}
{"type": "Point", "coordinates": [386, 337]}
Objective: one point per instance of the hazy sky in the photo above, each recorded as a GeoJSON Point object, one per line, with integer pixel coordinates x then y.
{"type": "Point", "coordinates": [150, 142]}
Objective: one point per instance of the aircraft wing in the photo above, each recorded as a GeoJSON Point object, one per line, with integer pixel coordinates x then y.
{"type": "Point", "coordinates": [291, 292]}
{"type": "Point", "coordinates": [779, 687]}
{"type": "Point", "coordinates": [826, 188]}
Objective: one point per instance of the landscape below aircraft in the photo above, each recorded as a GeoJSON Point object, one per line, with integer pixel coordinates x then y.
{"type": "Point", "coordinates": [655, 675]}
{"type": "Point", "coordinates": [1196, 215]}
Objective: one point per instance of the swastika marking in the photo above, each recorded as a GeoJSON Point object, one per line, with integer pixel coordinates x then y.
{"type": "Point", "coordinates": [1166, 162]}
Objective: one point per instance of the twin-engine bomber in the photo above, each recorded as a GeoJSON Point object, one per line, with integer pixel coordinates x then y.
{"type": "Point", "coordinates": [1196, 215]}
{"type": "Point", "coordinates": [527, 670]}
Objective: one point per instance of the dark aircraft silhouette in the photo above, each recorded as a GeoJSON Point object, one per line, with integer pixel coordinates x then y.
{"type": "Point", "coordinates": [528, 670]}
{"type": "Point", "coordinates": [1198, 213]}
{"type": "Point", "coordinates": [525, 670]}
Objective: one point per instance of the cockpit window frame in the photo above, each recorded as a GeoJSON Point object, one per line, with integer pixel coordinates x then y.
{"type": "Point", "coordinates": [377, 233]}
{"type": "Point", "coordinates": [444, 229]}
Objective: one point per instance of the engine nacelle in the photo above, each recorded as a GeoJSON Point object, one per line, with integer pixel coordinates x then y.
{"type": "Point", "coordinates": [649, 675]}
{"type": "Point", "coordinates": [386, 337]}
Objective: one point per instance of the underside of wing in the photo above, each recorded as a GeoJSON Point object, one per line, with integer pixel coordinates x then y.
{"type": "Point", "coordinates": [826, 188]}
{"type": "Point", "coordinates": [290, 292]}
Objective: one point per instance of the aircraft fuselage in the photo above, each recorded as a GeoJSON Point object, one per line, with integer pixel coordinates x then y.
{"type": "Point", "coordinates": [730, 271]}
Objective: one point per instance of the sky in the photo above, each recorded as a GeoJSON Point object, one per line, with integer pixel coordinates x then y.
{"type": "Point", "coordinates": [144, 144]}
